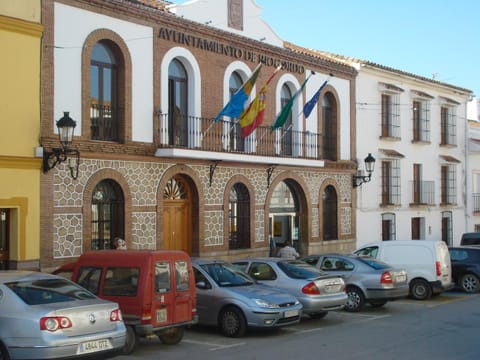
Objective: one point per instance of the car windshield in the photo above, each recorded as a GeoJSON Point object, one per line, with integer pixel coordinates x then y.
{"type": "Point", "coordinates": [299, 270]}
{"type": "Point", "coordinates": [226, 275]}
{"type": "Point", "coordinates": [48, 291]}
{"type": "Point", "coordinates": [376, 264]}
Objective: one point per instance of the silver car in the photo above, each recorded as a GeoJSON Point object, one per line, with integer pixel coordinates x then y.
{"type": "Point", "coordinates": [231, 300]}
{"type": "Point", "coordinates": [44, 316]}
{"type": "Point", "coordinates": [318, 292]}
{"type": "Point", "coordinates": [367, 279]}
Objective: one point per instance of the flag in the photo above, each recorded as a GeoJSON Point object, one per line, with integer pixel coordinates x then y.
{"type": "Point", "coordinates": [282, 117]}
{"type": "Point", "coordinates": [253, 116]}
{"type": "Point", "coordinates": [237, 102]}
{"type": "Point", "coordinates": [307, 109]}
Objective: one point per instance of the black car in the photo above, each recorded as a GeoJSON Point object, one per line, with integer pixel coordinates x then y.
{"type": "Point", "coordinates": [466, 267]}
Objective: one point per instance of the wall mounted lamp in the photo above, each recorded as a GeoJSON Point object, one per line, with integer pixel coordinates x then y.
{"type": "Point", "coordinates": [369, 167]}
{"type": "Point", "coordinates": [66, 126]}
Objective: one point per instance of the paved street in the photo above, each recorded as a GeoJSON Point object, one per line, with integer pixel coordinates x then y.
{"type": "Point", "coordinates": [445, 327]}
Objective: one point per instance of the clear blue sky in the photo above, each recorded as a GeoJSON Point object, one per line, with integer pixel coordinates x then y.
{"type": "Point", "coordinates": [429, 38]}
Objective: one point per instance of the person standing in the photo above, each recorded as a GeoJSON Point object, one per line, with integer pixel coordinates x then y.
{"type": "Point", "coordinates": [287, 251]}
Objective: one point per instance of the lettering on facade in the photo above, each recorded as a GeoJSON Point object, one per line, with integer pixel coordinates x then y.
{"type": "Point", "coordinates": [227, 50]}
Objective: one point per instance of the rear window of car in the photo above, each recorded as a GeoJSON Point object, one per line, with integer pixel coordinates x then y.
{"type": "Point", "coordinates": [375, 264]}
{"type": "Point", "coordinates": [48, 291]}
{"type": "Point", "coordinates": [299, 270]}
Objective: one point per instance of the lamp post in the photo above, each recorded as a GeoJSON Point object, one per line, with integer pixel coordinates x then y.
{"type": "Point", "coordinates": [369, 167]}
{"type": "Point", "coordinates": [66, 126]}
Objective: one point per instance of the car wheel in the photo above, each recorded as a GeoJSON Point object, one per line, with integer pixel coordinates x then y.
{"type": "Point", "coordinates": [232, 322]}
{"type": "Point", "coordinates": [378, 303]}
{"type": "Point", "coordinates": [131, 341]}
{"type": "Point", "coordinates": [3, 352]}
{"type": "Point", "coordinates": [355, 301]}
{"type": "Point", "coordinates": [420, 290]}
{"type": "Point", "coordinates": [171, 336]}
{"type": "Point", "coordinates": [318, 315]}
{"type": "Point", "coordinates": [470, 283]}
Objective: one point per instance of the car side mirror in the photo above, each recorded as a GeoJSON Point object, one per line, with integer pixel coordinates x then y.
{"type": "Point", "coordinates": [202, 285]}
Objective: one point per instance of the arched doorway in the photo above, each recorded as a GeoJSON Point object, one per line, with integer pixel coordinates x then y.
{"type": "Point", "coordinates": [285, 220]}
{"type": "Point", "coordinates": [177, 215]}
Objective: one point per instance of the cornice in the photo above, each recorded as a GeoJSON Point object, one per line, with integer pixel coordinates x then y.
{"type": "Point", "coordinates": [21, 26]}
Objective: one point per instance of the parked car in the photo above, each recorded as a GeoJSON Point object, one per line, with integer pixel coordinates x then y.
{"type": "Point", "coordinates": [231, 300]}
{"type": "Point", "coordinates": [427, 263]}
{"type": "Point", "coordinates": [154, 288]}
{"type": "Point", "coordinates": [470, 238]}
{"type": "Point", "coordinates": [44, 316]}
{"type": "Point", "coordinates": [367, 279]}
{"type": "Point", "coordinates": [318, 291]}
{"type": "Point", "coordinates": [466, 267]}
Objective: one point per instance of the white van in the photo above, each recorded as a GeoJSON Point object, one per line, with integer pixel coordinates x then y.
{"type": "Point", "coordinates": [427, 263]}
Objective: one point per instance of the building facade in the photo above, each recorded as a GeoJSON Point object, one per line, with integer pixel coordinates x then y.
{"type": "Point", "coordinates": [417, 133]}
{"type": "Point", "coordinates": [156, 168]}
{"type": "Point", "coordinates": [20, 168]}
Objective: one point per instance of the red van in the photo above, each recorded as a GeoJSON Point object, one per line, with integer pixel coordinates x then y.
{"type": "Point", "coordinates": [154, 288]}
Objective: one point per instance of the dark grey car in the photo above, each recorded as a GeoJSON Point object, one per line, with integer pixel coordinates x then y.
{"type": "Point", "coordinates": [367, 279]}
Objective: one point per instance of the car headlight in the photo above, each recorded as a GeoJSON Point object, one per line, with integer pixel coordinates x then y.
{"type": "Point", "coordinates": [265, 304]}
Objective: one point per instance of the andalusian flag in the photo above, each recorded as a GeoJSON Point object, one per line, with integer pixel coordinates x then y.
{"type": "Point", "coordinates": [253, 116]}
{"type": "Point", "coordinates": [236, 104]}
{"type": "Point", "coordinates": [282, 117]}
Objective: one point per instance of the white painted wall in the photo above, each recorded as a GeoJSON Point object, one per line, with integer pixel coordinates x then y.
{"type": "Point", "coordinates": [368, 140]}
{"type": "Point", "coordinates": [215, 13]}
{"type": "Point", "coordinates": [72, 27]}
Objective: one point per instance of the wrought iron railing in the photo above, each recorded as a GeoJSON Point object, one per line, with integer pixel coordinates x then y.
{"type": "Point", "coordinates": [423, 192]}
{"type": "Point", "coordinates": [476, 202]}
{"type": "Point", "coordinates": [104, 122]}
{"type": "Point", "coordinates": [197, 133]}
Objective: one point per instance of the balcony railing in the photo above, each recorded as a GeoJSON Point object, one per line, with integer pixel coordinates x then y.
{"type": "Point", "coordinates": [104, 122]}
{"type": "Point", "coordinates": [476, 202]}
{"type": "Point", "coordinates": [423, 192]}
{"type": "Point", "coordinates": [189, 132]}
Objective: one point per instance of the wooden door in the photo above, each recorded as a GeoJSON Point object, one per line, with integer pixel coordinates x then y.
{"type": "Point", "coordinates": [177, 210]}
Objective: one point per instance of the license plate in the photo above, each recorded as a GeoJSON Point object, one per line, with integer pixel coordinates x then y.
{"type": "Point", "coordinates": [401, 278]}
{"type": "Point", "coordinates": [161, 315]}
{"type": "Point", "coordinates": [94, 345]}
{"type": "Point", "coordinates": [333, 288]}
{"type": "Point", "coordinates": [290, 313]}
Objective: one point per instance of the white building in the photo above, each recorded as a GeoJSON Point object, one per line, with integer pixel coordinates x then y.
{"type": "Point", "coordinates": [473, 167]}
{"type": "Point", "coordinates": [416, 129]}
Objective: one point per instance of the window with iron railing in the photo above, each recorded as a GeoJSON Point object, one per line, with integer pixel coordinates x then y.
{"type": "Point", "coordinates": [447, 227]}
{"type": "Point", "coordinates": [448, 126]}
{"type": "Point", "coordinates": [239, 217]}
{"type": "Point", "coordinates": [448, 184]}
{"type": "Point", "coordinates": [388, 227]}
{"type": "Point", "coordinates": [421, 121]}
{"type": "Point", "coordinates": [390, 182]}
{"type": "Point", "coordinates": [104, 87]}
{"type": "Point", "coordinates": [476, 202]}
{"type": "Point", "coordinates": [390, 115]}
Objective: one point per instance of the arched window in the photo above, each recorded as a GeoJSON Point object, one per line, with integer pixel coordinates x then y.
{"type": "Point", "coordinates": [329, 126]}
{"type": "Point", "coordinates": [330, 228]}
{"type": "Point", "coordinates": [108, 216]}
{"type": "Point", "coordinates": [177, 104]}
{"type": "Point", "coordinates": [287, 129]}
{"type": "Point", "coordinates": [239, 217]}
{"type": "Point", "coordinates": [105, 118]}
{"type": "Point", "coordinates": [235, 132]}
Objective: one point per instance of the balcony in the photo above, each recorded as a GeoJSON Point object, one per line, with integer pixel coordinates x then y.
{"type": "Point", "coordinates": [423, 192]}
{"type": "Point", "coordinates": [476, 202]}
{"type": "Point", "coordinates": [206, 139]}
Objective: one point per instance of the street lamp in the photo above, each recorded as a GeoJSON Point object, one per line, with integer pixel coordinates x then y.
{"type": "Point", "coordinates": [369, 166]}
{"type": "Point", "coordinates": [66, 126]}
